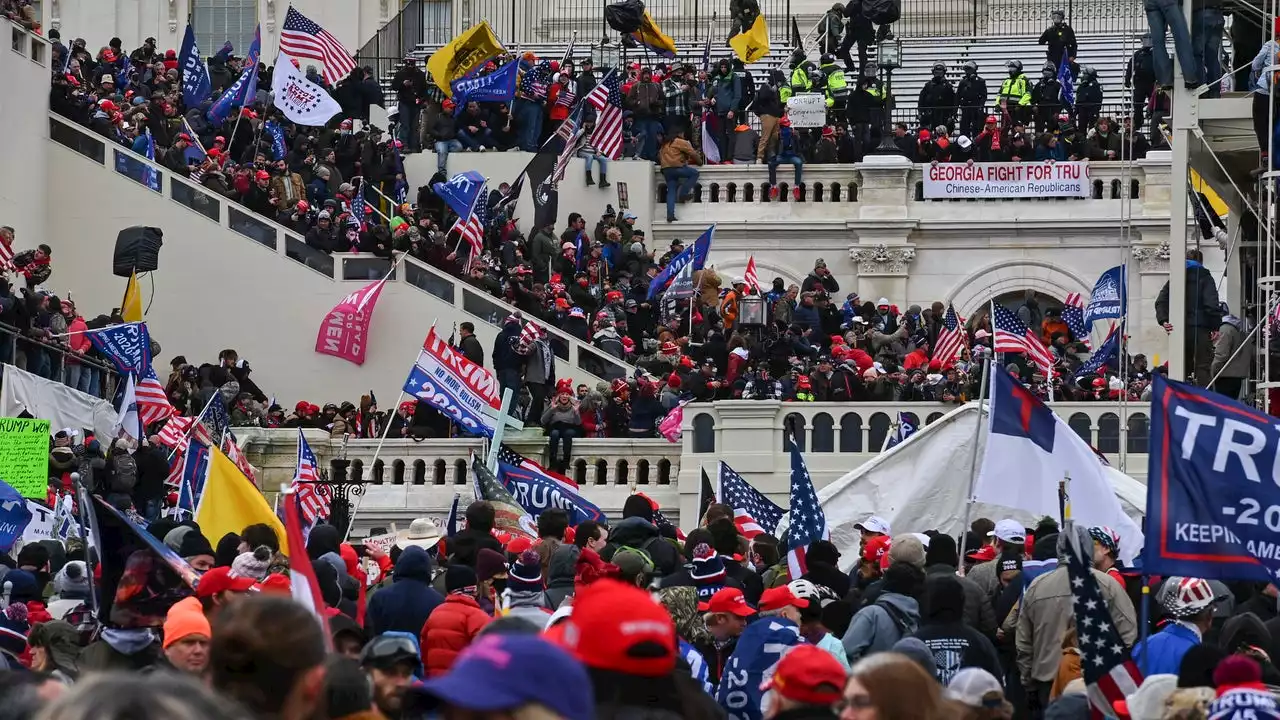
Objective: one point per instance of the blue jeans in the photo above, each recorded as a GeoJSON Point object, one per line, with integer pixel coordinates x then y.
{"type": "Point", "coordinates": [589, 156]}
{"type": "Point", "coordinates": [1165, 15]}
{"type": "Point", "coordinates": [647, 131]}
{"type": "Point", "coordinates": [443, 148]}
{"type": "Point", "coordinates": [474, 142]}
{"type": "Point", "coordinates": [680, 182]}
{"type": "Point", "coordinates": [408, 124]}
{"type": "Point", "coordinates": [528, 117]}
{"type": "Point", "coordinates": [1206, 46]}
{"type": "Point", "coordinates": [779, 159]}
{"type": "Point", "coordinates": [561, 435]}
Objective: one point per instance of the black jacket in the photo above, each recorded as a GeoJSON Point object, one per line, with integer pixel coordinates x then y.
{"type": "Point", "coordinates": [636, 532]}
{"type": "Point", "coordinates": [1203, 312]}
{"type": "Point", "coordinates": [410, 84]}
{"type": "Point", "coordinates": [472, 349]}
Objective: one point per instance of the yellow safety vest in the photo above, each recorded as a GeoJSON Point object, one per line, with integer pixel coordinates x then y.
{"type": "Point", "coordinates": [800, 80]}
{"type": "Point", "coordinates": [1016, 88]}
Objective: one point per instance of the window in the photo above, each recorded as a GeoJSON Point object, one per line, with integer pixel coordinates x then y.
{"type": "Point", "coordinates": [217, 21]}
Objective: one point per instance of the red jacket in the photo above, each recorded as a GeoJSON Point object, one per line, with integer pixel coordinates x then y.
{"type": "Point", "coordinates": [915, 359]}
{"type": "Point", "coordinates": [449, 630]}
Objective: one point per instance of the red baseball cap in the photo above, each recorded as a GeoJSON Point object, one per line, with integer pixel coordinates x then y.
{"type": "Point", "coordinates": [619, 627]}
{"type": "Point", "coordinates": [728, 600]}
{"type": "Point", "coordinates": [780, 597]}
{"type": "Point", "coordinates": [983, 554]}
{"type": "Point", "coordinates": [807, 674]}
{"type": "Point", "coordinates": [876, 547]}
{"type": "Point", "coordinates": [275, 583]}
{"type": "Point", "coordinates": [519, 545]}
{"type": "Point", "coordinates": [219, 580]}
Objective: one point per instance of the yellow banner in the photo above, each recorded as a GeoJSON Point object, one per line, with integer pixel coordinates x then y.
{"type": "Point", "coordinates": [753, 44]}
{"type": "Point", "coordinates": [131, 305]}
{"type": "Point", "coordinates": [463, 54]}
{"type": "Point", "coordinates": [652, 37]}
{"type": "Point", "coordinates": [231, 502]}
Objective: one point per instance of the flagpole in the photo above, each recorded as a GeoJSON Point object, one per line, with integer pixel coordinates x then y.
{"type": "Point", "coordinates": [983, 387]}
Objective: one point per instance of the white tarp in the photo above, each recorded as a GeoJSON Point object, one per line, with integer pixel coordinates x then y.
{"type": "Point", "coordinates": [62, 406]}
{"type": "Point", "coordinates": [922, 485]}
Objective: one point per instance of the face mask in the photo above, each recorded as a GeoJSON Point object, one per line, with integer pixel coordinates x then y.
{"type": "Point", "coordinates": [499, 585]}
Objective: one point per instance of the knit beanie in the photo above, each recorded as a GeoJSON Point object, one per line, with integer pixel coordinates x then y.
{"type": "Point", "coordinates": [72, 581]}
{"type": "Point", "coordinates": [942, 551]}
{"type": "Point", "coordinates": [252, 564]}
{"type": "Point", "coordinates": [489, 564]}
{"type": "Point", "coordinates": [173, 538]}
{"type": "Point", "coordinates": [707, 571]}
{"type": "Point", "coordinates": [14, 629]}
{"type": "Point", "coordinates": [525, 574]}
{"type": "Point", "coordinates": [185, 618]}
{"type": "Point", "coordinates": [21, 586]}
{"type": "Point", "coordinates": [459, 578]}
{"type": "Point", "coordinates": [193, 544]}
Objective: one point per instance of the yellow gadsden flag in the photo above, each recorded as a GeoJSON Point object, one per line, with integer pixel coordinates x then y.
{"type": "Point", "coordinates": [463, 54]}
{"type": "Point", "coordinates": [753, 44]}
{"type": "Point", "coordinates": [652, 37]}
{"type": "Point", "coordinates": [131, 305]}
{"type": "Point", "coordinates": [231, 502]}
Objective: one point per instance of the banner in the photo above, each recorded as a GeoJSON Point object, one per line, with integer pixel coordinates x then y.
{"type": "Point", "coordinates": [14, 516]}
{"type": "Point", "coordinates": [461, 55]}
{"type": "Point", "coordinates": [380, 543]}
{"type": "Point", "coordinates": [1006, 180]}
{"type": "Point", "coordinates": [1109, 297]}
{"type": "Point", "coordinates": [696, 254]}
{"type": "Point", "coordinates": [465, 392]}
{"type": "Point", "coordinates": [807, 110]}
{"type": "Point", "coordinates": [345, 330]}
{"type": "Point", "coordinates": [301, 100]}
{"type": "Point", "coordinates": [278, 149]}
{"type": "Point", "coordinates": [1213, 503]}
{"type": "Point", "coordinates": [50, 524]}
{"type": "Point", "coordinates": [196, 85]}
{"type": "Point", "coordinates": [24, 455]}
{"type": "Point", "coordinates": [127, 346]}
{"type": "Point", "coordinates": [460, 192]}
{"type": "Point", "coordinates": [753, 43]}
{"type": "Point", "coordinates": [497, 86]}
{"type": "Point", "coordinates": [537, 493]}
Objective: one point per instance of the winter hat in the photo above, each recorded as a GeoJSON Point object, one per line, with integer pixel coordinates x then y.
{"type": "Point", "coordinates": [919, 653]}
{"type": "Point", "coordinates": [14, 628]}
{"type": "Point", "coordinates": [173, 538]}
{"type": "Point", "coordinates": [707, 567]}
{"type": "Point", "coordinates": [489, 564]}
{"type": "Point", "coordinates": [942, 551]}
{"type": "Point", "coordinates": [525, 574]}
{"type": "Point", "coordinates": [1245, 704]}
{"type": "Point", "coordinates": [252, 564]}
{"type": "Point", "coordinates": [632, 562]}
{"type": "Point", "coordinates": [21, 586]}
{"type": "Point", "coordinates": [72, 581]}
{"type": "Point", "coordinates": [907, 549]}
{"type": "Point", "coordinates": [185, 618]}
{"type": "Point", "coordinates": [460, 579]}
{"type": "Point", "coordinates": [194, 544]}
{"type": "Point", "coordinates": [1237, 672]}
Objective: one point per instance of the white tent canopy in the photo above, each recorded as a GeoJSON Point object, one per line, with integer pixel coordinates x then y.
{"type": "Point", "coordinates": [922, 484]}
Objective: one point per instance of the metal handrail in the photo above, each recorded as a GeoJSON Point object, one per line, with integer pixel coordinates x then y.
{"type": "Point", "coordinates": [18, 335]}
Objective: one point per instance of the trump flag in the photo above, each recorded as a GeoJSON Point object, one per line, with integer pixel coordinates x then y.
{"type": "Point", "coordinates": [463, 391]}
{"type": "Point", "coordinates": [1030, 449]}
{"type": "Point", "coordinates": [345, 330]}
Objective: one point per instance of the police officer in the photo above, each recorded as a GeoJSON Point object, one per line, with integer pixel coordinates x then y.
{"type": "Point", "coordinates": [1140, 75]}
{"type": "Point", "coordinates": [800, 82]}
{"type": "Point", "coordinates": [1057, 38]}
{"type": "Point", "coordinates": [836, 87]}
{"type": "Point", "coordinates": [971, 94]}
{"type": "Point", "coordinates": [1088, 98]}
{"type": "Point", "coordinates": [1046, 99]}
{"type": "Point", "coordinates": [1015, 95]}
{"type": "Point", "coordinates": [937, 104]}
{"type": "Point", "coordinates": [867, 107]}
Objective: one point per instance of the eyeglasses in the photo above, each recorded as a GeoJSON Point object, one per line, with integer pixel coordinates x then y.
{"type": "Point", "coordinates": [861, 701]}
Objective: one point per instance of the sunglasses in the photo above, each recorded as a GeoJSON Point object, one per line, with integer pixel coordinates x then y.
{"type": "Point", "coordinates": [861, 701]}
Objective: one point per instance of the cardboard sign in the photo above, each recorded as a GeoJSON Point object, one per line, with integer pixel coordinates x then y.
{"type": "Point", "coordinates": [381, 543]}
{"type": "Point", "coordinates": [24, 455]}
{"type": "Point", "coordinates": [807, 110]}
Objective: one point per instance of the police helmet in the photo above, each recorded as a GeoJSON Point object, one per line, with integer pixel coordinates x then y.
{"type": "Point", "coordinates": [970, 67]}
{"type": "Point", "coordinates": [1014, 66]}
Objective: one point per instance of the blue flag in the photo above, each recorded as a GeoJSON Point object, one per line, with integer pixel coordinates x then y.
{"type": "Point", "coordinates": [906, 428]}
{"type": "Point", "coordinates": [461, 192]}
{"type": "Point", "coordinates": [696, 254]}
{"type": "Point", "coordinates": [538, 491]}
{"type": "Point", "coordinates": [127, 346]}
{"type": "Point", "coordinates": [758, 651]}
{"type": "Point", "coordinates": [1109, 298]}
{"type": "Point", "coordinates": [1210, 487]}
{"type": "Point", "coordinates": [224, 52]}
{"type": "Point", "coordinates": [195, 468]}
{"type": "Point", "coordinates": [126, 69]}
{"type": "Point", "coordinates": [1107, 354]}
{"type": "Point", "coordinates": [196, 85]}
{"type": "Point", "coordinates": [1067, 78]}
{"type": "Point", "coordinates": [150, 176]}
{"type": "Point", "coordinates": [243, 91]}
{"type": "Point", "coordinates": [451, 523]}
{"type": "Point", "coordinates": [497, 86]}
{"type": "Point", "coordinates": [14, 516]}
{"type": "Point", "coordinates": [276, 132]}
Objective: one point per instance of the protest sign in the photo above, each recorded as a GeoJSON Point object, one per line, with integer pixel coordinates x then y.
{"type": "Point", "coordinates": [24, 455]}
{"type": "Point", "coordinates": [807, 110]}
{"type": "Point", "coordinates": [381, 543]}
{"type": "Point", "coordinates": [1006, 180]}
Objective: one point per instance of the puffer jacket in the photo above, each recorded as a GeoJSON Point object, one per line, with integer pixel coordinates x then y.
{"type": "Point", "coordinates": [876, 627]}
{"type": "Point", "coordinates": [449, 630]}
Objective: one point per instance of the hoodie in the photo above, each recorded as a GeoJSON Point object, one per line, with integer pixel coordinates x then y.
{"type": "Point", "coordinates": [876, 627]}
{"type": "Point", "coordinates": [952, 641]}
{"type": "Point", "coordinates": [406, 604]}
{"type": "Point", "coordinates": [637, 532]}
{"type": "Point", "coordinates": [531, 606]}
{"type": "Point", "coordinates": [560, 574]}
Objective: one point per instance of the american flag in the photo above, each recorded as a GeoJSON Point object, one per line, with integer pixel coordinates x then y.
{"type": "Point", "coordinates": [175, 431]}
{"type": "Point", "coordinates": [6, 250]}
{"type": "Point", "coordinates": [753, 513]}
{"type": "Point", "coordinates": [233, 453]}
{"type": "Point", "coordinates": [570, 151]}
{"type": "Point", "coordinates": [472, 231]}
{"type": "Point", "coordinates": [569, 127]}
{"type": "Point", "coordinates": [606, 98]}
{"type": "Point", "coordinates": [749, 275]}
{"type": "Point", "coordinates": [535, 81]}
{"type": "Point", "coordinates": [808, 522]}
{"type": "Point", "coordinates": [1073, 316]}
{"type": "Point", "coordinates": [312, 496]}
{"type": "Point", "coordinates": [302, 576]}
{"type": "Point", "coordinates": [507, 456]}
{"type": "Point", "coordinates": [301, 37]}
{"type": "Point", "coordinates": [153, 403]}
{"type": "Point", "coordinates": [357, 203]}
{"type": "Point", "coordinates": [951, 339]}
{"type": "Point", "coordinates": [1013, 336]}
{"type": "Point", "coordinates": [1109, 673]}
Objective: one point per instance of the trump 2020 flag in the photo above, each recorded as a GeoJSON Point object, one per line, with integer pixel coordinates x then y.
{"type": "Point", "coordinates": [301, 100]}
{"type": "Point", "coordinates": [759, 649]}
{"type": "Point", "coordinates": [196, 85]}
{"type": "Point", "coordinates": [509, 515]}
{"type": "Point", "coordinates": [345, 330]}
{"type": "Point", "coordinates": [1109, 297]}
{"type": "Point", "coordinates": [463, 391]}
{"type": "Point", "coordinates": [906, 428]}
{"type": "Point", "coordinates": [1030, 449]}
{"type": "Point", "coordinates": [1211, 488]}
{"type": "Point", "coordinates": [278, 149]}
{"type": "Point", "coordinates": [460, 192]}
{"type": "Point", "coordinates": [244, 89]}
{"type": "Point", "coordinates": [538, 490]}
{"type": "Point", "coordinates": [14, 516]}
{"type": "Point", "coordinates": [695, 254]}
{"type": "Point", "coordinates": [497, 86]}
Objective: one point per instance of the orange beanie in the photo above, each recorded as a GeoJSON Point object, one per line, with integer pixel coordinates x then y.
{"type": "Point", "coordinates": [185, 618]}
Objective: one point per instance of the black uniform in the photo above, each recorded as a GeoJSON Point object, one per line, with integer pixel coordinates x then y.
{"type": "Point", "coordinates": [1088, 102]}
{"type": "Point", "coordinates": [1046, 102]}
{"type": "Point", "coordinates": [1140, 75]}
{"type": "Point", "coordinates": [1058, 37]}
{"type": "Point", "coordinates": [971, 95]}
{"type": "Point", "coordinates": [937, 103]}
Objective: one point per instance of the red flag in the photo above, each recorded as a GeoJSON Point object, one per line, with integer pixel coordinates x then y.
{"type": "Point", "coordinates": [345, 330]}
{"type": "Point", "coordinates": [302, 577]}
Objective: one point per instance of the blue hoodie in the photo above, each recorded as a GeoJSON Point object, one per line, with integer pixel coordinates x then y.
{"type": "Point", "coordinates": [406, 604]}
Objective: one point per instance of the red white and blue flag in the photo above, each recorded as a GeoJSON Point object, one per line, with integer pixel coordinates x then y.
{"type": "Point", "coordinates": [753, 513]}
{"type": "Point", "coordinates": [312, 496]}
{"type": "Point", "coordinates": [606, 98]}
{"type": "Point", "coordinates": [1012, 335]}
{"type": "Point", "coordinates": [1073, 316]}
{"type": "Point", "coordinates": [302, 576]}
{"type": "Point", "coordinates": [808, 522]}
{"type": "Point", "coordinates": [951, 339]}
{"type": "Point", "coordinates": [1109, 672]}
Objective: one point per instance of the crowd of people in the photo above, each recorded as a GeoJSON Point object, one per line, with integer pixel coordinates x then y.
{"type": "Point", "coordinates": [616, 620]}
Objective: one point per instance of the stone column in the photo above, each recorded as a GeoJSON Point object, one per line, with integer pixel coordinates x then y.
{"type": "Point", "coordinates": [1155, 185]}
{"type": "Point", "coordinates": [883, 191]}
{"type": "Point", "coordinates": [1152, 264]}
{"type": "Point", "coordinates": [881, 252]}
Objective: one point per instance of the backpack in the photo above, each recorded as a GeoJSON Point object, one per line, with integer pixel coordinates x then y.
{"type": "Point", "coordinates": [901, 623]}
{"type": "Point", "coordinates": [124, 475]}
{"type": "Point", "coordinates": [882, 12]}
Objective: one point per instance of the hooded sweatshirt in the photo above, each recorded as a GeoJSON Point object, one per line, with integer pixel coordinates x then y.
{"type": "Point", "coordinates": [560, 574]}
{"type": "Point", "coordinates": [876, 627]}
{"type": "Point", "coordinates": [531, 606]}
{"type": "Point", "coordinates": [406, 604]}
{"type": "Point", "coordinates": [638, 532]}
{"type": "Point", "coordinates": [952, 641]}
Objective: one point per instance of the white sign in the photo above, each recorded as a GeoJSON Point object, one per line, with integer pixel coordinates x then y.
{"type": "Point", "coordinates": [807, 110]}
{"type": "Point", "coordinates": [301, 100]}
{"type": "Point", "coordinates": [381, 543]}
{"type": "Point", "coordinates": [1006, 180]}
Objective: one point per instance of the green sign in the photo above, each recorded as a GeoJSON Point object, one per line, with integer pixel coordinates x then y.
{"type": "Point", "coordinates": [24, 455]}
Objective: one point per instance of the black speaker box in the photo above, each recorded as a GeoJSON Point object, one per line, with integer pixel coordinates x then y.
{"type": "Point", "coordinates": [137, 250]}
